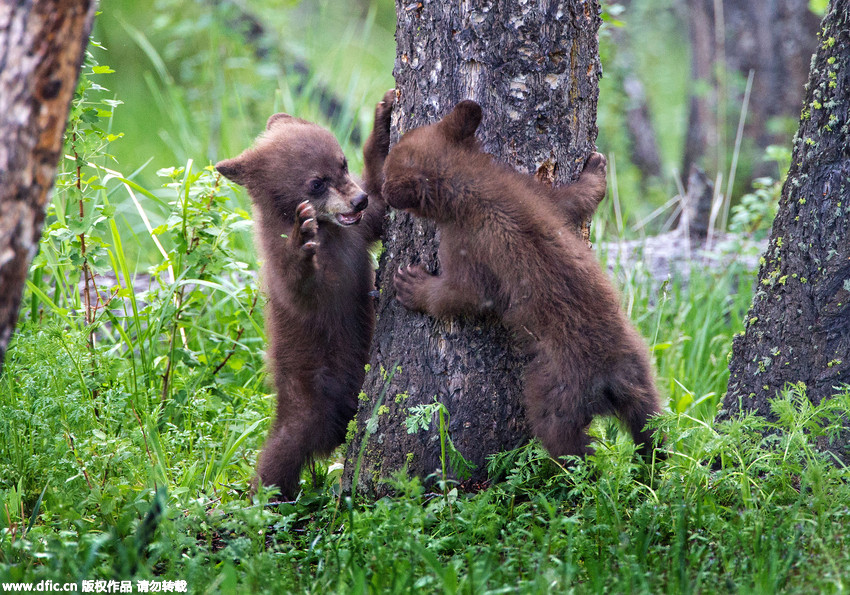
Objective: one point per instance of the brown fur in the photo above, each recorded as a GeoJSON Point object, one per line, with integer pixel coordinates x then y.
{"type": "Point", "coordinates": [504, 249]}
{"type": "Point", "coordinates": [318, 274]}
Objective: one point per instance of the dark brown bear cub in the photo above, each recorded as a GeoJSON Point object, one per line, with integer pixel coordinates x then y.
{"type": "Point", "coordinates": [505, 249]}
{"type": "Point", "coordinates": [314, 225]}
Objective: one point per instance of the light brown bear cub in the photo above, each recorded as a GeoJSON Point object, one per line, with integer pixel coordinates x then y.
{"type": "Point", "coordinates": [505, 249]}
{"type": "Point", "coordinates": [314, 224]}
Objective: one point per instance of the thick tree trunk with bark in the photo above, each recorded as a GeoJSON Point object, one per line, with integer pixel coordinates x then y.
{"type": "Point", "coordinates": [773, 38]}
{"type": "Point", "coordinates": [41, 51]}
{"type": "Point", "coordinates": [799, 323]}
{"type": "Point", "coordinates": [534, 69]}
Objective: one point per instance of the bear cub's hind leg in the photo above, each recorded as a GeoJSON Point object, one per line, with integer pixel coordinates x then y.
{"type": "Point", "coordinates": [282, 457]}
{"type": "Point", "coordinates": [635, 416]}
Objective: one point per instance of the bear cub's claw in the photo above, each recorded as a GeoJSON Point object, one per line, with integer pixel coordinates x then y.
{"type": "Point", "coordinates": [408, 284]}
{"type": "Point", "coordinates": [307, 228]}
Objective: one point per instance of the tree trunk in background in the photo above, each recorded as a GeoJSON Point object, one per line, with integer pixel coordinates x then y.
{"type": "Point", "coordinates": [775, 39]}
{"type": "Point", "coordinates": [643, 144]}
{"type": "Point", "coordinates": [42, 44]}
{"type": "Point", "coordinates": [641, 132]}
{"type": "Point", "coordinates": [701, 140]}
{"type": "Point", "coordinates": [534, 68]}
{"type": "Point", "coordinates": [799, 322]}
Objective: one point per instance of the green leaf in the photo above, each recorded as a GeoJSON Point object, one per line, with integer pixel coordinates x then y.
{"type": "Point", "coordinates": [684, 402]}
{"type": "Point", "coordinates": [89, 116]}
{"type": "Point", "coordinates": [63, 234]}
{"type": "Point", "coordinates": [36, 508]}
{"type": "Point", "coordinates": [78, 226]}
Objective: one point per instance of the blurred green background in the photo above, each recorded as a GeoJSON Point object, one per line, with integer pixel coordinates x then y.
{"type": "Point", "coordinates": [198, 80]}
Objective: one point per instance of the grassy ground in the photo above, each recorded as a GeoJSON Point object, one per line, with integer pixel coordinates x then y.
{"type": "Point", "coordinates": [132, 420]}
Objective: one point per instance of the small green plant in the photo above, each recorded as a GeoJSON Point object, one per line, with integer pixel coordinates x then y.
{"type": "Point", "coordinates": [757, 209]}
{"type": "Point", "coordinates": [419, 420]}
{"type": "Point", "coordinates": [118, 373]}
{"type": "Point", "coordinates": [754, 214]}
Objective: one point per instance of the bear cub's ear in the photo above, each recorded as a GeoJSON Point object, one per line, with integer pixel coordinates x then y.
{"type": "Point", "coordinates": [275, 117]}
{"type": "Point", "coordinates": [233, 169]}
{"type": "Point", "coordinates": [460, 125]}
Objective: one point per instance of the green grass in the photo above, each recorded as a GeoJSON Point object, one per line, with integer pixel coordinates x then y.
{"type": "Point", "coordinates": [131, 424]}
{"type": "Point", "coordinates": [730, 510]}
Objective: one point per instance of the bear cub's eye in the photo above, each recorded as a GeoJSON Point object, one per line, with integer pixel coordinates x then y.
{"type": "Point", "coordinates": [317, 186]}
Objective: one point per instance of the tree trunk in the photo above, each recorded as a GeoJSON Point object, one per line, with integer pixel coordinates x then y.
{"type": "Point", "coordinates": [42, 44]}
{"type": "Point", "coordinates": [641, 132]}
{"type": "Point", "coordinates": [773, 38]}
{"type": "Point", "coordinates": [799, 322]}
{"type": "Point", "coordinates": [643, 143]}
{"type": "Point", "coordinates": [701, 140]}
{"type": "Point", "coordinates": [534, 68]}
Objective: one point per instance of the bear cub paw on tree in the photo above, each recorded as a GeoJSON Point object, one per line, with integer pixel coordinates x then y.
{"type": "Point", "coordinates": [314, 225]}
{"type": "Point", "coordinates": [508, 248]}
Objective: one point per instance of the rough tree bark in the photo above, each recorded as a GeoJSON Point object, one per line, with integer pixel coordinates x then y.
{"type": "Point", "coordinates": [775, 39]}
{"type": "Point", "coordinates": [42, 45]}
{"type": "Point", "coordinates": [799, 322]}
{"type": "Point", "coordinates": [534, 68]}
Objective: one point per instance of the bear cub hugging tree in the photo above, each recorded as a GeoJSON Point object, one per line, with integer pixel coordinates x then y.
{"type": "Point", "coordinates": [505, 249]}
{"type": "Point", "coordinates": [314, 225]}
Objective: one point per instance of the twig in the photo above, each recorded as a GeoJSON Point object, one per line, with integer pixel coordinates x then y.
{"type": "Point", "coordinates": [738, 136]}
{"type": "Point", "coordinates": [77, 458]}
{"type": "Point", "coordinates": [86, 298]}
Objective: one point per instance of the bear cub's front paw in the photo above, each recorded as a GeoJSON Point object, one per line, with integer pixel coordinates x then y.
{"type": "Point", "coordinates": [306, 229]}
{"type": "Point", "coordinates": [595, 164]}
{"type": "Point", "coordinates": [409, 286]}
{"type": "Point", "coordinates": [594, 174]}
{"type": "Point", "coordinates": [383, 111]}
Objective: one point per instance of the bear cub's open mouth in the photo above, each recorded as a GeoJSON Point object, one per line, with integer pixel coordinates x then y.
{"type": "Point", "coordinates": [349, 218]}
{"type": "Point", "coordinates": [355, 215]}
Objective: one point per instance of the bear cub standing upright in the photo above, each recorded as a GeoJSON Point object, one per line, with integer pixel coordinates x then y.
{"type": "Point", "coordinates": [314, 225]}
{"type": "Point", "coordinates": [505, 249]}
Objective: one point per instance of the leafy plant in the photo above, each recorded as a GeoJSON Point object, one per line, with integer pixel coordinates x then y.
{"type": "Point", "coordinates": [757, 209]}
{"type": "Point", "coordinates": [419, 420]}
